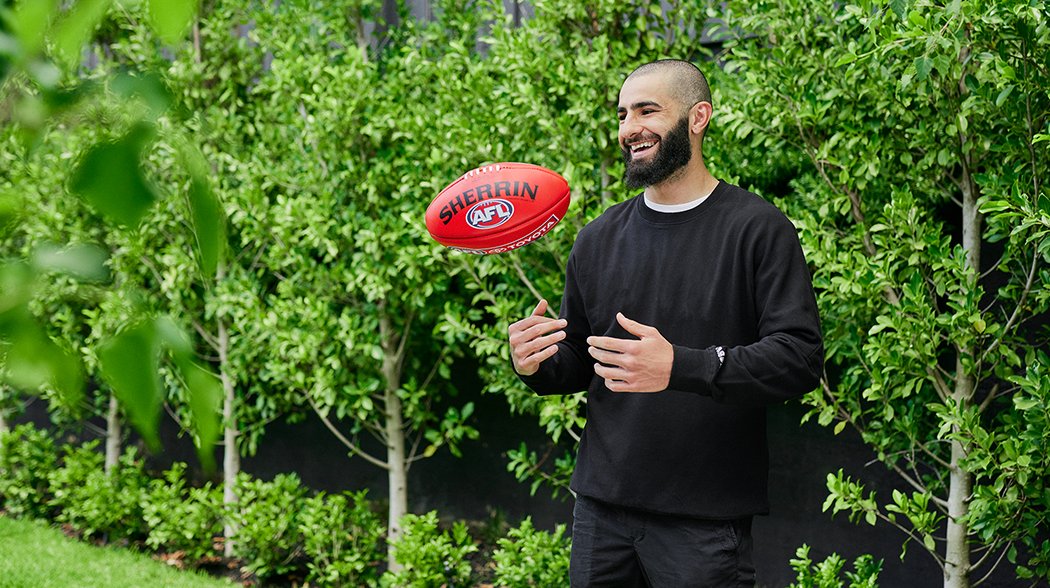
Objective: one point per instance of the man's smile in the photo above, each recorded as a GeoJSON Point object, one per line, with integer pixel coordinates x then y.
{"type": "Point", "coordinates": [642, 149]}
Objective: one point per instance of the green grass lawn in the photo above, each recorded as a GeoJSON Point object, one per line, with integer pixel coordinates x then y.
{"type": "Point", "coordinates": [33, 555]}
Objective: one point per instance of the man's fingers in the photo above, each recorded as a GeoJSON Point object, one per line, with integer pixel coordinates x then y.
{"type": "Point", "coordinates": [611, 343]}
{"type": "Point", "coordinates": [531, 346]}
{"type": "Point", "coordinates": [609, 372]}
{"type": "Point", "coordinates": [533, 327]}
{"type": "Point", "coordinates": [634, 327]}
{"type": "Point", "coordinates": [609, 357]}
{"type": "Point", "coordinates": [538, 357]}
{"type": "Point", "coordinates": [534, 339]}
{"type": "Point", "coordinates": [530, 351]}
{"type": "Point", "coordinates": [615, 378]}
{"type": "Point", "coordinates": [540, 308]}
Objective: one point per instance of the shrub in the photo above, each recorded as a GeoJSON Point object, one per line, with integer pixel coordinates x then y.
{"type": "Point", "coordinates": [826, 573]}
{"type": "Point", "coordinates": [267, 515]}
{"type": "Point", "coordinates": [94, 502]}
{"type": "Point", "coordinates": [27, 456]}
{"type": "Point", "coordinates": [430, 557]}
{"type": "Point", "coordinates": [529, 558]}
{"type": "Point", "coordinates": [182, 519]}
{"type": "Point", "coordinates": [343, 540]}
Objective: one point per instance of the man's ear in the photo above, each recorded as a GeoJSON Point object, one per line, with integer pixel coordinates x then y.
{"type": "Point", "coordinates": [699, 117]}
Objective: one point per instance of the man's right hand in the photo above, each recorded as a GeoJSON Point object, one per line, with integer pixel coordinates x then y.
{"type": "Point", "coordinates": [534, 339]}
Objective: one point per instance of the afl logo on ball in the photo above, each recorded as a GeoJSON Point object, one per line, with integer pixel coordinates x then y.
{"type": "Point", "coordinates": [489, 214]}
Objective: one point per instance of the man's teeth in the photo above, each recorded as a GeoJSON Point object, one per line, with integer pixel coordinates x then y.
{"type": "Point", "coordinates": [640, 146]}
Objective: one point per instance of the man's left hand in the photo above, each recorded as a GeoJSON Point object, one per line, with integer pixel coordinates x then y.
{"type": "Point", "coordinates": [633, 366]}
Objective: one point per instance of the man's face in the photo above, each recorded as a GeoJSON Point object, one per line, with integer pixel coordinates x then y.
{"type": "Point", "coordinates": [654, 131]}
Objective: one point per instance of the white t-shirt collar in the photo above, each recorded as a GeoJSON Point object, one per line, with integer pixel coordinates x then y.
{"type": "Point", "coordinates": [673, 208]}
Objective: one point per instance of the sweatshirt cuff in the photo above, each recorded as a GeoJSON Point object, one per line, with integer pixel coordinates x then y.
{"type": "Point", "coordinates": [694, 370]}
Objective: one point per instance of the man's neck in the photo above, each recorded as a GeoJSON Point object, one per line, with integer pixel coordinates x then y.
{"type": "Point", "coordinates": [692, 182]}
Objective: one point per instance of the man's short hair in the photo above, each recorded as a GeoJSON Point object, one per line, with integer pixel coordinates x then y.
{"type": "Point", "coordinates": [690, 84]}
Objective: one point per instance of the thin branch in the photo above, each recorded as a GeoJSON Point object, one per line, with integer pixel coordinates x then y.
{"type": "Point", "coordinates": [940, 502]}
{"type": "Point", "coordinates": [175, 417]}
{"type": "Point", "coordinates": [528, 284]}
{"type": "Point", "coordinates": [413, 456]}
{"type": "Point", "coordinates": [943, 392]}
{"type": "Point", "coordinates": [153, 269]}
{"type": "Point", "coordinates": [400, 353]}
{"type": "Point", "coordinates": [434, 370]}
{"type": "Point", "coordinates": [992, 395]}
{"type": "Point", "coordinates": [378, 433]}
{"type": "Point", "coordinates": [934, 456]}
{"type": "Point", "coordinates": [354, 449]}
{"type": "Point", "coordinates": [994, 567]}
{"type": "Point", "coordinates": [1017, 310]}
{"type": "Point", "coordinates": [992, 267]}
{"type": "Point", "coordinates": [911, 534]}
{"type": "Point", "coordinates": [97, 430]}
{"type": "Point", "coordinates": [572, 433]}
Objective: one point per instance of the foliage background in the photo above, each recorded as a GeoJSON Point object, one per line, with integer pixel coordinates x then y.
{"type": "Point", "coordinates": [321, 127]}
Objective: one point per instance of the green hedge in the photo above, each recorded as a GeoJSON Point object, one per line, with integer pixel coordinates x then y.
{"type": "Point", "coordinates": [283, 530]}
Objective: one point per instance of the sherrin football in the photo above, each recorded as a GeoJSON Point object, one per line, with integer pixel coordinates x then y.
{"type": "Point", "coordinates": [497, 208]}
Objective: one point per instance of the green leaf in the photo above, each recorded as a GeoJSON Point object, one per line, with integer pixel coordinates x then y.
{"type": "Point", "coordinates": [30, 22]}
{"type": "Point", "coordinates": [847, 58]}
{"type": "Point", "coordinates": [923, 66]}
{"type": "Point", "coordinates": [1025, 403]}
{"type": "Point", "coordinates": [147, 87]}
{"type": "Point", "coordinates": [208, 225]}
{"type": "Point", "coordinates": [111, 180]}
{"type": "Point", "coordinates": [1003, 95]}
{"type": "Point", "coordinates": [129, 365]}
{"type": "Point", "coordinates": [11, 207]}
{"type": "Point", "coordinates": [205, 400]}
{"type": "Point", "coordinates": [32, 360]}
{"type": "Point", "coordinates": [84, 262]}
{"type": "Point", "coordinates": [77, 27]}
{"type": "Point", "coordinates": [171, 18]}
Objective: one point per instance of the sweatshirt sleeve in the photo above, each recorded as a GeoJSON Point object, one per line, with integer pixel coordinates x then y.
{"type": "Point", "coordinates": [787, 358]}
{"type": "Point", "coordinates": [569, 370]}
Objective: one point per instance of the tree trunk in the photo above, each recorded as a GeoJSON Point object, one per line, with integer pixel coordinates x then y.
{"type": "Point", "coordinates": [957, 552]}
{"type": "Point", "coordinates": [960, 484]}
{"type": "Point", "coordinates": [357, 20]}
{"type": "Point", "coordinates": [4, 427]}
{"type": "Point", "coordinates": [606, 181]}
{"type": "Point", "coordinates": [231, 459]}
{"type": "Point", "coordinates": [396, 459]}
{"type": "Point", "coordinates": [113, 434]}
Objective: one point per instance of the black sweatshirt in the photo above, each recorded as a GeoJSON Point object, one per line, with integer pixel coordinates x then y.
{"type": "Point", "coordinates": [727, 274]}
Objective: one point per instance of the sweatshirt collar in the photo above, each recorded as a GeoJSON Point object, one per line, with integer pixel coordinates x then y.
{"type": "Point", "coordinates": [675, 213]}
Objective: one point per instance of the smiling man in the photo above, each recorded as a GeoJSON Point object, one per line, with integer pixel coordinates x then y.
{"type": "Point", "coordinates": [687, 310]}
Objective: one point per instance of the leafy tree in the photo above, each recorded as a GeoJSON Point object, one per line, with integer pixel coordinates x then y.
{"type": "Point", "coordinates": [919, 130]}
{"type": "Point", "coordinates": [342, 132]}
{"type": "Point", "coordinates": [40, 54]}
{"type": "Point", "coordinates": [826, 574]}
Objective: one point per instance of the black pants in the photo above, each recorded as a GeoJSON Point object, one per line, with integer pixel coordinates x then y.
{"type": "Point", "coordinates": [624, 548]}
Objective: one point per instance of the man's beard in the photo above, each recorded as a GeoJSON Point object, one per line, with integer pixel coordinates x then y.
{"type": "Point", "coordinates": [673, 152]}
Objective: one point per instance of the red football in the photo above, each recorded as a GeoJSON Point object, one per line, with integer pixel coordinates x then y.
{"type": "Point", "coordinates": [498, 207]}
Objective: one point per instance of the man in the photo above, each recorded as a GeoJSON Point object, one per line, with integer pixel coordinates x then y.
{"type": "Point", "coordinates": [687, 310]}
